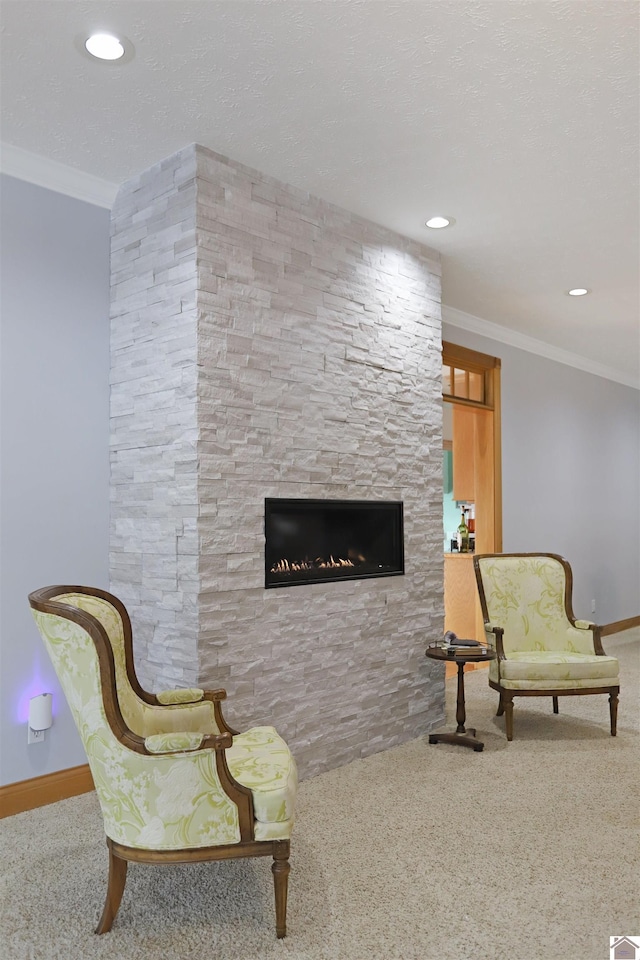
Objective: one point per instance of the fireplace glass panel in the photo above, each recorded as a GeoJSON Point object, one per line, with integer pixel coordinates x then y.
{"type": "Point", "coordinates": [316, 541]}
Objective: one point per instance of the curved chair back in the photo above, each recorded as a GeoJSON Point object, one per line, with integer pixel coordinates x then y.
{"type": "Point", "coordinates": [146, 800]}
{"type": "Point", "coordinates": [160, 765]}
{"type": "Point", "coordinates": [113, 617]}
{"type": "Point", "coordinates": [541, 649]}
{"type": "Point", "coordinates": [139, 709]}
{"type": "Point", "coordinates": [529, 596]}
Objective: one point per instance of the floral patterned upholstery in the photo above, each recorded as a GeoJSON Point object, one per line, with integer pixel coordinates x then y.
{"type": "Point", "coordinates": [186, 695]}
{"type": "Point", "coordinates": [525, 595]}
{"type": "Point", "coordinates": [545, 666]}
{"type": "Point", "coordinates": [260, 759]}
{"type": "Point", "coordinates": [175, 783]}
{"type": "Point", "coordinates": [542, 650]}
{"type": "Point", "coordinates": [166, 799]}
{"type": "Point", "coordinates": [145, 719]}
{"type": "Point", "coordinates": [173, 742]}
{"type": "Point", "coordinates": [158, 801]}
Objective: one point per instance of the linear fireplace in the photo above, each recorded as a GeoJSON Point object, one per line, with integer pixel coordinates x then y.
{"type": "Point", "coordinates": [317, 541]}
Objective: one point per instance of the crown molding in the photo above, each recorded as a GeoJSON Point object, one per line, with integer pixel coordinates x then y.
{"type": "Point", "coordinates": [52, 175]}
{"type": "Point", "coordinates": [485, 328]}
{"type": "Point", "coordinates": [16, 162]}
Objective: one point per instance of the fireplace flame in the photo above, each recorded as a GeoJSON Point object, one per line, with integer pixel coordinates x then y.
{"type": "Point", "coordinates": [293, 566]}
{"type": "Point", "coordinates": [335, 563]}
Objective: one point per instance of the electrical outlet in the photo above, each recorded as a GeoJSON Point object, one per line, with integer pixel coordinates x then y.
{"type": "Point", "coordinates": [593, 605]}
{"type": "Point", "coordinates": [35, 736]}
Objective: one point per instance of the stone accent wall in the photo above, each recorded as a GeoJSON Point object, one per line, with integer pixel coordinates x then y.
{"type": "Point", "coordinates": [154, 505]}
{"type": "Point", "coordinates": [318, 375]}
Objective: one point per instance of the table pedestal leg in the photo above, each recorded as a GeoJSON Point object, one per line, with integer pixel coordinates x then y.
{"type": "Point", "coordinates": [462, 737]}
{"type": "Point", "coordinates": [461, 714]}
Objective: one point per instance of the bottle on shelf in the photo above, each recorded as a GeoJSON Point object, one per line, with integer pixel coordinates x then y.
{"type": "Point", "coordinates": [463, 534]}
{"type": "Point", "coordinates": [471, 519]}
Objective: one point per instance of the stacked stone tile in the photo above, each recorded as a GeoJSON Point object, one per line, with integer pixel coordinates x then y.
{"type": "Point", "coordinates": [154, 507]}
{"type": "Point", "coordinates": [269, 344]}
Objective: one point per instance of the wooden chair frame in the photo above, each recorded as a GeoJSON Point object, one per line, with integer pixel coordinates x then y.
{"type": "Point", "coordinates": [505, 705]}
{"type": "Point", "coordinates": [44, 601]}
{"type": "Point", "coordinates": [216, 696]}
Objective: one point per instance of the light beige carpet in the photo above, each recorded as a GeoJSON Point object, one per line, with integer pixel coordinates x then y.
{"type": "Point", "coordinates": [527, 851]}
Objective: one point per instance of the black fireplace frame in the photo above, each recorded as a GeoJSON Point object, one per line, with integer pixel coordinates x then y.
{"type": "Point", "coordinates": [282, 505]}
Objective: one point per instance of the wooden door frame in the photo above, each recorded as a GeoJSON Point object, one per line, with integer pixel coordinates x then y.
{"type": "Point", "coordinates": [490, 367]}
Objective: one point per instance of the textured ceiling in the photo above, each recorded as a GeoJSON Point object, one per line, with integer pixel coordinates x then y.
{"type": "Point", "coordinates": [519, 119]}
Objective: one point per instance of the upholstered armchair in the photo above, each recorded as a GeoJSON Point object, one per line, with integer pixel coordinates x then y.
{"type": "Point", "coordinates": [174, 782]}
{"type": "Point", "coordinates": [542, 650]}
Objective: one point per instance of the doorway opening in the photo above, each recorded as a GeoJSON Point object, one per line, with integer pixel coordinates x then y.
{"type": "Point", "coordinates": [471, 477]}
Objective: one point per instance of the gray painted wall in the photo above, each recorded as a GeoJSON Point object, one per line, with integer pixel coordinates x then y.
{"type": "Point", "coordinates": [54, 501]}
{"type": "Point", "coordinates": [570, 469]}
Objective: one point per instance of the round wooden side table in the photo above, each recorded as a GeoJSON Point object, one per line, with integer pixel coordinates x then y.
{"type": "Point", "coordinates": [462, 737]}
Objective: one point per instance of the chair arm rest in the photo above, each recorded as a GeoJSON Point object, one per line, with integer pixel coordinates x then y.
{"type": "Point", "coordinates": [160, 743]}
{"type": "Point", "coordinates": [191, 697]}
{"type": "Point", "coordinates": [188, 695]}
{"type": "Point", "coordinates": [215, 695]}
{"type": "Point", "coordinates": [173, 742]}
{"type": "Point", "coordinates": [498, 633]}
{"type": "Point", "coordinates": [596, 634]}
{"type": "Point", "coordinates": [178, 749]}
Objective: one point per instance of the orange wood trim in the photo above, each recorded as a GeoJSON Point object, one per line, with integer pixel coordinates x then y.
{"type": "Point", "coordinates": [472, 404]}
{"type": "Point", "coordinates": [460, 595]}
{"type": "Point", "coordinates": [484, 481]}
{"type": "Point", "coordinates": [497, 458]}
{"type": "Point", "coordinates": [464, 452]}
{"type": "Point", "coordinates": [452, 352]}
{"type": "Point", "coordinates": [39, 791]}
{"type": "Point", "coordinates": [619, 626]}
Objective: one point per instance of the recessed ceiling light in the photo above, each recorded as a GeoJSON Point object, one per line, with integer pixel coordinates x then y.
{"type": "Point", "coordinates": [104, 46]}
{"type": "Point", "coordinates": [578, 292]}
{"type": "Point", "coordinates": [437, 223]}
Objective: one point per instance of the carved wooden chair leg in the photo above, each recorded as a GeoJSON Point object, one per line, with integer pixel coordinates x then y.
{"type": "Point", "coordinates": [115, 889]}
{"type": "Point", "coordinates": [280, 869]}
{"type": "Point", "coordinates": [500, 709]}
{"type": "Point", "coordinates": [507, 700]}
{"type": "Point", "coordinates": [555, 704]}
{"type": "Point", "coordinates": [613, 711]}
